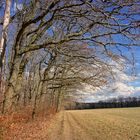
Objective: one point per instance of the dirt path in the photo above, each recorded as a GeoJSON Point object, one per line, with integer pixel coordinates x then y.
{"type": "Point", "coordinates": [111, 124]}
{"type": "Point", "coordinates": [67, 127]}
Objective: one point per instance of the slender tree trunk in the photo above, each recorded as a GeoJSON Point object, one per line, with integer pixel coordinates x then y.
{"type": "Point", "coordinates": [37, 97]}
{"type": "Point", "coordinates": [3, 43]}
{"type": "Point", "coordinates": [5, 27]}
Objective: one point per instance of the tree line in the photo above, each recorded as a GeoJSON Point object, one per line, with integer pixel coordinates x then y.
{"type": "Point", "coordinates": [119, 102]}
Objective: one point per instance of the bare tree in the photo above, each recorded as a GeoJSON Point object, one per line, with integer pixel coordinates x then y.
{"type": "Point", "coordinates": [78, 40]}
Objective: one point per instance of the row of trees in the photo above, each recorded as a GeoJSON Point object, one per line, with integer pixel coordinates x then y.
{"type": "Point", "coordinates": [53, 47]}
{"type": "Point", "coordinates": [119, 102]}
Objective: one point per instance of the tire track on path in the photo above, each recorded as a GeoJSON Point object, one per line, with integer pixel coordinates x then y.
{"type": "Point", "coordinates": [77, 131]}
{"type": "Point", "coordinates": [55, 132]}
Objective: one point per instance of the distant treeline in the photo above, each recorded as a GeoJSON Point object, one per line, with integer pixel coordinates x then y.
{"type": "Point", "coordinates": [111, 103]}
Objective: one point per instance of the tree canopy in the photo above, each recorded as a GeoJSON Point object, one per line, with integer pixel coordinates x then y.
{"type": "Point", "coordinates": [54, 47]}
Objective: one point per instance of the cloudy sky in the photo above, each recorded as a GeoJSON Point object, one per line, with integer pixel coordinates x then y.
{"type": "Point", "coordinates": [126, 84]}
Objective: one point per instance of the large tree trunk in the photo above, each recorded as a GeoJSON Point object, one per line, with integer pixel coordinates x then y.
{"type": "Point", "coordinates": [14, 91]}
{"type": "Point", "coordinates": [10, 94]}
{"type": "Point", "coordinates": [14, 88]}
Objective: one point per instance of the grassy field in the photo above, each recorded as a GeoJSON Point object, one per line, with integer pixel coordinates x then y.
{"type": "Point", "coordinates": [99, 124]}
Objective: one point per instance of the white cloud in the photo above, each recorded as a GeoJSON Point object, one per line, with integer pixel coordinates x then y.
{"type": "Point", "coordinates": [114, 90]}
{"type": "Point", "coordinates": [137, 89]}
{"type": "Point", "coordinates": [120, 87]}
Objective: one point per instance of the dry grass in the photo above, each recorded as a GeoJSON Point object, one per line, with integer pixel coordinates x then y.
{"type": "Point", "coordinates": [100, 124]}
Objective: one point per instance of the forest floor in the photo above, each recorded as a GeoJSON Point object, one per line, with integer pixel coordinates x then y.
{"type": "Point", "coordinates": [99, 124]}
